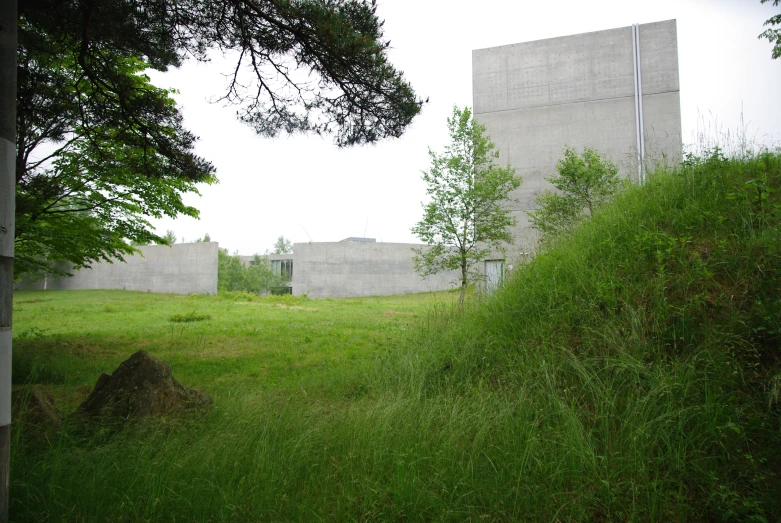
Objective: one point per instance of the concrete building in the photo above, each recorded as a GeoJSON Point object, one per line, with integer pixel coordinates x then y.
{"type": "Point", "coordinates": [183, 268]}
{"type": "Point", "coordinates": [354, 267]}
{"type": "Point", "coordinates": [361, 267]}
{"type": "Point", "coordinates": [350, 268]}
{"type": "Point", "coordinates": [616, 91]}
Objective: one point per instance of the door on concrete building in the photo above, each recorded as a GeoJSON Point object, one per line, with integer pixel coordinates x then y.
{"type": "Point", "coordinates": [494, 274]}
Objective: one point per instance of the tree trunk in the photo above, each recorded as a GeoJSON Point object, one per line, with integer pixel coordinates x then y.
{"type": "Point", "coordinates": [463, 284]}
{"type": "Point", "coordinates": [8, 40]}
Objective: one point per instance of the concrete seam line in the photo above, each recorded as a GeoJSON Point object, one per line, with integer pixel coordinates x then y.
{"type": "Point", "coordinates": [605, 99]}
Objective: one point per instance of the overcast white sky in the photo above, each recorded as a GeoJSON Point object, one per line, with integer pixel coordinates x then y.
{"type": "Point", "coordinates": [303, 187]}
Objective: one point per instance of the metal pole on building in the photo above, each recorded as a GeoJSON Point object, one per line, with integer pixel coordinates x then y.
{"type": "Point", "coordinates": [637, 105]}
{"type": "Point", "coordinates": [8, 41]}
{"type": "Point", "coordinates": [640, 99]}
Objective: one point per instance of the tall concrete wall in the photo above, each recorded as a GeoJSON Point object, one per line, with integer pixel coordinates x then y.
{"type": "Point", "coordinates": [183, 268]}
{"type": "Point", "coordinates": [348, 269]}
{"type": "Point", "coordinates": [537, 97]}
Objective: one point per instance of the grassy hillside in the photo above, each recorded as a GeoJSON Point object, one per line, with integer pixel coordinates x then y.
{"type": "Point", "coordinates": [631, 373]}
{"type": "Point", "coordinates": [638, 360]}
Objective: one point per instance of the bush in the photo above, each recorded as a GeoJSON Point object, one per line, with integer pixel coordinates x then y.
{"type": "Point", "coordinates": [257, 277]}
{"type": "Point", "coordinates": [583, 184]}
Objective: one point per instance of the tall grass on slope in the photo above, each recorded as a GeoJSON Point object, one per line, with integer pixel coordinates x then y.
{"type": "Point", "coordinates": [643, 349]}
{"type": "Point", "coordinates": [622, 376]}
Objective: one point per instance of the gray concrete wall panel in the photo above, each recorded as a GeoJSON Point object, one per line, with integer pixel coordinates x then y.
{"type": "Point", "coordinates": [536, 98]}
{"type": "Point", "coordinates": [353, 269]}
{"type": "Point", "coordinates": [183, 268]}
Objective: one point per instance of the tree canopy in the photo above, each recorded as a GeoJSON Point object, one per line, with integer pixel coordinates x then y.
{"type": "Point", "coordinates": [282, 246]}
{"type": "Point", "coordinates": [87, 181]}
{"type": "Point", "coordinates": [467, 216]}
{"type": "Point", "coordinates": [100, 149]}
{"type": "Point", "coordinates": [773, 34]}
{"type": "Point", "coordinates": [583, 182]}
{"type": "Point", "coordinates": [301, 66]}
{"type": "Point", "coordinates": [256, 277]}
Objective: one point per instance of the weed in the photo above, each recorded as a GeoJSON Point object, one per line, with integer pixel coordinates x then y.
{"type": "Point", "coordinates": [189, 317]}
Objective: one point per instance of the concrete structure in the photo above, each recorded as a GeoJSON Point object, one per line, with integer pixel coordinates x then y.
{"type": "Point", "coordinates": [585, 90]}
{"type": "Point", "coordinates": [351, 268]}
{"type": "Point", "coordinates": [322, 270]}
{"type": "Point", "coordinates": [183, 268]}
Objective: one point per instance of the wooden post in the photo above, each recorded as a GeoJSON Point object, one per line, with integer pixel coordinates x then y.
{"type": "Point", "coordinates": [8, 41]}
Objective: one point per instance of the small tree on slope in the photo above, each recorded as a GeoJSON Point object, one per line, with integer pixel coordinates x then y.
{"type": "Point", "coordinates": [465, 219]}
{"type": "Point", "coordinates": [583, 182]}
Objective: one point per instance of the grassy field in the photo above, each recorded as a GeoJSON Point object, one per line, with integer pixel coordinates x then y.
{"type": "Point", "coordinates": [225, 343]}
{"type": "Point", "coordinates": [631, 373]}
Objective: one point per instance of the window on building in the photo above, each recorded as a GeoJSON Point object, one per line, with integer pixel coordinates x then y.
{"type": "Point", "coordinates": [283, 268]}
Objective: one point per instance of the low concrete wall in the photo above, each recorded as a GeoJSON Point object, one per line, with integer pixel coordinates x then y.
{"type": "Point", "coordinates": [351, 269]}
{"type": "Point", "coordinates": [183, 268]}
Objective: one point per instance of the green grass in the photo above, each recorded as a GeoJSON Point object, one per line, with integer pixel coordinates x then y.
{"type": "Point", "coordinates": [631, 373]}
{"type": "Point", "coordinates": [65, 339]}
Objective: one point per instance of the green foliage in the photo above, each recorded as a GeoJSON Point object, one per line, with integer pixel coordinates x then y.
{"type": "Point", "coordinates": [583, 183]}
{"type": "Point", "coordinates": [465, 219]}
{"type": "Point", "coordinates": [256, 277]}
{"type": "Point", "coordinates": [169, 238]}
{"type": "Point", "coordinates": [772, 34]}
{"type": "Point", "coordinates": [121, 153]}
{"type": "Point", "coordinates": [283, 246]}
{"type": "Point", "coordinates": [304, 66]}
{"type": "Point", "coordinates": [112, 168]}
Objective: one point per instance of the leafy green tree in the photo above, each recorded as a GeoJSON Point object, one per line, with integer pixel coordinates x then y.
{"type": "Point", "coordinates": [304, 66]}
{"type": "Point", "coordinates": [467, 216]}
{"type": "Point", "coordinates": [283, 246]}
{"type": "Point", "coordinates": [773, 34]}
{"type": "Point", "coordinates": [582, 183]}
{"type": "Point", "coordinates": [307, 66]}
{"type": "Point", "coordinates": [257, 277]}
{"type": "Point", "coordinates": [85, 191]}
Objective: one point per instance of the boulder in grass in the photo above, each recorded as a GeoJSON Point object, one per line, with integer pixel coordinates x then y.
{"type": "Point", "coordinates": [141, 386]}
{"type": "Point", "coordinates": [33, 408]}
